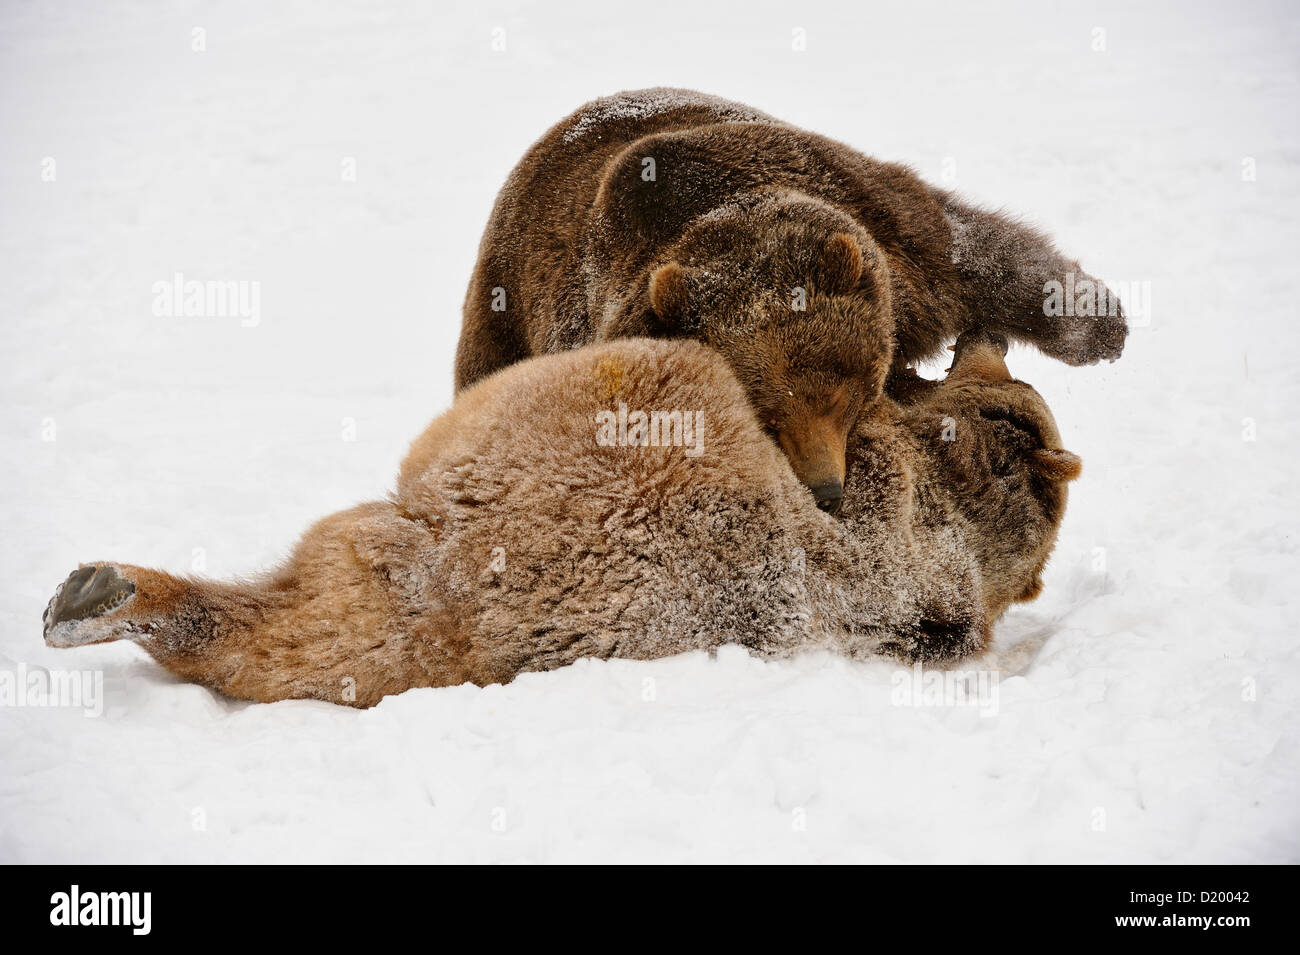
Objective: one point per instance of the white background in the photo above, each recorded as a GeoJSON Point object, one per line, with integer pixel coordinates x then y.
{"type": "Point", "coordinates": [1150, 709]}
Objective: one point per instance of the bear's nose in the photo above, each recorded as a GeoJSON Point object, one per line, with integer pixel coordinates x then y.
{"type": "Point", "coordinates": [829, 496]}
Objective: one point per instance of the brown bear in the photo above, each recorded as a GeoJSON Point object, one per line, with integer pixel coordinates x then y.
{"type": "Point", "coordinates": [621, 501]}
{"type": "Point", "coordinates": [810, 266]}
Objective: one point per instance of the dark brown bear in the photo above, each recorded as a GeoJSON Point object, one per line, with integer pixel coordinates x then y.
{"type": "Point", "coordinates": [810, 266]}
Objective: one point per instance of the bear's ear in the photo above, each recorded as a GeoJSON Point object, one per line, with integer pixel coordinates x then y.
{"type": "Point", "coordinates": [840, 266]}
{"type": "Point", "coordinates": [1056, 464]}
{"type": "Point", "coordinates": [669, 297]}
{"type": "Point", "coordinates": [1032, 589]}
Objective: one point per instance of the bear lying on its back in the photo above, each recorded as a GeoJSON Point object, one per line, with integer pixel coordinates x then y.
{"type": "Point", "coordinates": [810, 266]}
{"type": "Point", "coordinates": [621, 501]}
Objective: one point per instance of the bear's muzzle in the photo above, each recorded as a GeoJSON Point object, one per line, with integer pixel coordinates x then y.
{"type": "Point", "coordinates": [816, 451]}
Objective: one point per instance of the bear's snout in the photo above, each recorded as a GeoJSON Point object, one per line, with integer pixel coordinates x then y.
{"type": "Point", "coordinates": [829, 496]}
{"type": "Point", "coordinates": [816, 452]}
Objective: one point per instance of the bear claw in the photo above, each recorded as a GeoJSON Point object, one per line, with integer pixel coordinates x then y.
{"type": "Point", "coordinates": [90, 591]}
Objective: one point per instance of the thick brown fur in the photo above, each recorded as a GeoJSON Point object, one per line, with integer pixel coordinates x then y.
{"type": "Point", "coordinates": [516, 541]}
{"type": "Point", "coordinates": [811, 267]}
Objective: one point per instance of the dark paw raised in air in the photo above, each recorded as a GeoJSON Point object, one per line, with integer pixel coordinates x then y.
{"type": "Point", "coordinates": [1087, 339]}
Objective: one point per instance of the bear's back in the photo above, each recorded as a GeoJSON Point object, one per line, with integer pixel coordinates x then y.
{"type": "Point", "coordinates": [561, 524]}
{"type": "Point", "coordinates": [631, 114]}
{"type": "Point", "coordinates": [565, 165]}
{"type": "Point", "coordinates": [570, 420]}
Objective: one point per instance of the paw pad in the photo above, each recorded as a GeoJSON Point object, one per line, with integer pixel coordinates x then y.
{"type": "Point", "coordinates": [90, 591]}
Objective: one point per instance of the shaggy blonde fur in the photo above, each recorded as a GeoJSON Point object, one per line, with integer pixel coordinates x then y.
{"type": "Point", "coordinates": [517, 541]}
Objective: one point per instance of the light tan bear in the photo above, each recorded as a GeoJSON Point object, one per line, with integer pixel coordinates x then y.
{"type": "Point", "coordinates": [621, 501]}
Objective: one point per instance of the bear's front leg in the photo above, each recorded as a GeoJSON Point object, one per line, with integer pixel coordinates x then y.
{"type": "Point", "coordinates": [1015, 281]}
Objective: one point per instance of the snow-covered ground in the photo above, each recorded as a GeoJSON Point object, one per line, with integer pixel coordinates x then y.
{"type": "Point", "coordinates": [1149, 708]}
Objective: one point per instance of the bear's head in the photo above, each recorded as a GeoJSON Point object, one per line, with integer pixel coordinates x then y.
{"type": "Point", "coordinates": [796, 297]}
{"type": "Point", "coordinates": [990, 444]}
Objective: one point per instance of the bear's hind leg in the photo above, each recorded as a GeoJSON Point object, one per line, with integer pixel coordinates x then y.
{"type": "Point", "coordinates": [84, 608]}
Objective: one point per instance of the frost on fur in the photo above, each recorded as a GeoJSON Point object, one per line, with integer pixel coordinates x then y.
{"type": "Point", "coordinates": [516, 541]}
{"type": "Point", "coordinates": [1008, 272]}
{"type": "Point", "coordinates": [811, 267]}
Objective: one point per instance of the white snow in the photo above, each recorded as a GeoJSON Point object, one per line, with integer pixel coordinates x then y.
{"type": "Point", "coordinates": [1152, 711]}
